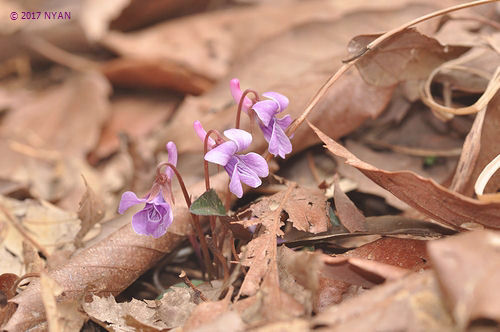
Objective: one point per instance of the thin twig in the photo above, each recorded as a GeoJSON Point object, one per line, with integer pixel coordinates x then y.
{"type": "Point", "coordinates": [193, 287]}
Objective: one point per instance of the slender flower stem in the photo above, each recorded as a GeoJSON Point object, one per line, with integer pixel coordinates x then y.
{"type": "Point", "coordinates": [205, 150]}
{"type": "Point", "coordinates": [194, 218]}
{"type": "Point", "coordinates": [240, 105]}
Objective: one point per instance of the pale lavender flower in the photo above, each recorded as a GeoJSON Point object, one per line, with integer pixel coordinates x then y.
{"type": "Point", "coordinates": [156, 216]}
{"type": "Point", "coordinates": [267, 111]}
{"type": "Point", "coordinates": [247, 168]}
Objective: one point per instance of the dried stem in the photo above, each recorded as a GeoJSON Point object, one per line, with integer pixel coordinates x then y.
{"type": "Point", "coordinates": [188, 282]}
{"type": "Point", "coordinates": [350, 62]}
{"type": "Point", "coordinates": [240, 105]}
{"type": "Point", "coordinates": [194, 218]}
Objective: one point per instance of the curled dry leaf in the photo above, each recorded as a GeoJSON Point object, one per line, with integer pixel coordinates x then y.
{"type": "Point", "coordinates": [483, 179]}
{"type": "Point", "coordinates": [423, 194]}
{"type": "Point", "coordinates": [468, 269]}
{"type": "Point", "coordinates": [307, 209]}
{"type": "Point", "coordinates": [348, 213]}
{"type": "Point", "coordinates": [407, 55]}
{"type": "Point", "coordinates": [402, 305]}
{"type": "Point", "coordinates": [90, 212]}
{"type": "Point", "coordinates": [107, 267]}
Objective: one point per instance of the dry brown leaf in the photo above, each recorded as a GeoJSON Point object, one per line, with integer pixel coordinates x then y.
{"type": "Point", "coordinates": [90, 212]}
{"type": "Point", "coordinates": [407, 55]}
{"type": "Point", "coordinates": [468, 269]}
{"type": "Point", "coordinates": [410, 304]}
{"type": "Point", "coordinates": [61, 316]}
{"type": "Point", "coordinates": [201, 48]}
{"type": "Point", "coordinates": [51, 227]}
{"type": "Point", "coordinates": [423, 194]}
{"type": "Point", "coordinates": [7, 281]}
{"type": "Point", "coordinates": [77, 110]}
{"type": "Point", "coordinates": [306, 208]}
{"type": "Point", "coordinates": [175, 306]}
{"type": "Point", "coordinates": [108, 266]}
{"type": "Point", "coordinates": [107, 310]}
{"type": "Point", "coordinates": [31, 259]}
{"type": "Point", "coordinates": [348, 213]}
{"type": "Point", "coordinates": [133, 114]}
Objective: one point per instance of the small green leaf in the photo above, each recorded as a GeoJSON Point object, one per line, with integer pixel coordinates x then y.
{"type": "Point", "coordinates": [208, 204]}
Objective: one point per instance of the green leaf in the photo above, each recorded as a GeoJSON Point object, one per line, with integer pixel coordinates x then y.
{"type": "Point", "coordinates": [208, 204]}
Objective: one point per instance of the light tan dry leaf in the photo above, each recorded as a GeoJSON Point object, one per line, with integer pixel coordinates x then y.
{"type": "Point", "coordinates": [51, 227]}
{"type": "Point", "coordinates": [96, 15]}
{"type": "Point", "coordinates": [31, 259]}
{"type": "Point", "coordinates": [90, 212]}
{"type": "Point", "coordinates": [109, 265]}
{"type": "Point", "coordinates": [175, 307]}
{"type": "Point", "coordinates": [107, 310]}
{"type": "Point", "coordinates": [208, 312]}
{"type": "Point", "coordinates": [408, 55]}
{"type": "Point", "coordinates": [468, 269]}
{"type": "Point", "coordinates": [410, 304]}
{"type": "Point", "coordinates": [10, 263]}
{"type": "Point", "coordinates": [62, 316]}
{"type": "Point", "coordinates": [423, 194]}
{"type": "Point", "coordinates": [348, 213]}
{"type": "Point", "coordinates": [306, 208]}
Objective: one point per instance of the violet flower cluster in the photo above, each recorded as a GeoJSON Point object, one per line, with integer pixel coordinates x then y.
{"type": "Point", "coordinates": [267, 110]}
{"type": "Point", "coordinates": [249, 168]}
{"type": "Point", "coordinates": [156, 216]}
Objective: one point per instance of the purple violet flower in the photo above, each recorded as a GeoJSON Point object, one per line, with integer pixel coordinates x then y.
{"type": "Point", "coordinates": [156, 216]}
{"type": "Point", "coordinates": [247, 168]}
{"type": "Point", "coordinates": [267, 111]}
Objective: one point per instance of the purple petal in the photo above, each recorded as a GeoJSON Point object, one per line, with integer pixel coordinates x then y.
{"type": "Point", "coordinates": [236, 92]}
{"type": "Point", "coordinates": [247, 175]}
{"type": "Point", "coordinates": [230, 165]}
{"type": "Point", "coordinates": [285, 122]}
{"type": "Point", "coordinates": [235, 185]}
{"type": "Point", "coordinates": [160, 228]}
{"type": "Point", "coordinates": [140, 222]}
{"type": "Point", "coordinates": [267, 131]}
{"type": "Point", "coordinates": [241, 138]}
{"type": "Point", "coordinates": [220, 154]}
{"type": "Point", "coordinates": [256, 162]}
{"type": "Point", "coordinates": [265, 110]}
{"type": "Point", "coordinates": [128, 200]}
{"type": "Point", "coordinates": [198, 128]}
{"type": "Point", "coordinates": [279, 144]}
{"type": "Point", "coordinates": [279, 98]}
{"type": "Point", "coordinates": [172, 158]}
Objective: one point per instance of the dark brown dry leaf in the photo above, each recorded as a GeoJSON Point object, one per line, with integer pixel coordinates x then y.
{"type": "Point", "coordinates": [348, 213]}
{"type": "Point", "coordinates": [374, 268]}
{"type": "Point", "coordinates": [306, 208]}
{"type": "Point", "coordinates": [62, 316]}
{"type": "Point", "coordinates": [90, 212]}
{"type": "Point", "coordinates": [318, 48]}
{"type": "Point", "coordinates": [423, 194]}
{"type": "Point", "coordinates": [7, 281]}
{"type": "Point", "coordinates": [468, 269]}
{"type": "Point", "coordinates": [107, 310]}
{"type": "Point", "coordinates": [408, 55]}
{"type": "Point", "coordinates": [109, 266]}
{"type": "Point", "coordinates": [410, 304]}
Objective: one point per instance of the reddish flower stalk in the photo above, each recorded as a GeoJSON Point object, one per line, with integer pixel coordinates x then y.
{"type": "Point", "coordinates": [240, 105]}
{"type": "Point", "coordinates": [194, 218]}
